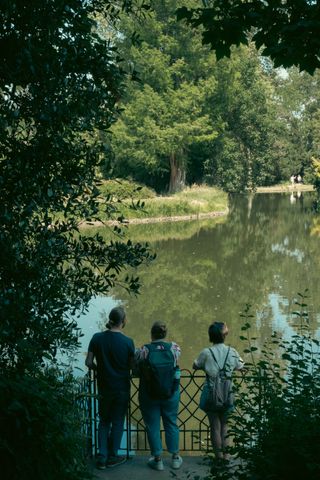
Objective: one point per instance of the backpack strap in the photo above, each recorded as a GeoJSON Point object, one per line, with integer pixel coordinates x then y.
{"type": "Point", "coordinates": [225, 361]}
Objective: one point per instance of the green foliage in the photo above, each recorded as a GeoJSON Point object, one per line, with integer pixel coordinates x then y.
{"type": "Point", "coordinates": [277, 423]}
{"type": "Point", "coordinates": [237, 123]}
{"type": "Point", "coordinates": [288, 31]}
{"type": "Point", "coordinates": [124, 189]}
{"type": "Point", "coordinates": [316, 166]}
{"type": "Point", "coordinates": [168, 123]}
{"type": "Point", "coordinates": [164, 113]}
{"type": "Point", "coordinates": [60, 82]}
{"type": "Point", "coordinates": [49, 155]}
{"type": "Point", "coordinates": [41, 425]}
{"type": "Point", "coordinates": [316, 182]}
{"type": "Point", "coordinates": [190, 201]}
{"type": "Point", "coordinates": [297, 96]}
{"type": "Point", "coordinates": [245, 152]}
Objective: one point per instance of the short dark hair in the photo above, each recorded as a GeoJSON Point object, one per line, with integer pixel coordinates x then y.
{"type": "Point", "coordinates": [217, 332]}
{"type": "Point", "coordinates": [116, 317]}
{"type": "Point", "coordinates": [158, 330]}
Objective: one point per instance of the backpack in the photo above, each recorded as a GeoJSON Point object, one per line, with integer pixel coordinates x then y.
{"type": "Point", "coordinates": [220, 396]}
{"type": "Point", "coordinates": [158, 370]}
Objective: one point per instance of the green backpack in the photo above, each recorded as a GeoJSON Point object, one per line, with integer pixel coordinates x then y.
{"type": "Point", "coordinates": [158, 370]}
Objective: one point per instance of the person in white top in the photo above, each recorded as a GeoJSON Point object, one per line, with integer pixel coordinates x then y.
{"type": "Point", "coordinates": [211, 360]}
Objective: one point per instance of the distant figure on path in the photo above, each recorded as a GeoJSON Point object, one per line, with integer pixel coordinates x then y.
{"type": "Point", "coordinates": [113, 353]}
{"type": "Point", "coordinates": [218, 360]}
{"type": "Point", "coordinates": [159, 394]}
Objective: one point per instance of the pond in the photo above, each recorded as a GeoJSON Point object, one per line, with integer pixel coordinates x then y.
{"type": "Point", "coordinates": [263, 252]}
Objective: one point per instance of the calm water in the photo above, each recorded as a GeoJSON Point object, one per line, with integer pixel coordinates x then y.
{"type": "Point", "coordinates": [263, 253]}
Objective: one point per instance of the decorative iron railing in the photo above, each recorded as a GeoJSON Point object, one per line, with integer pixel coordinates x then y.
{"type": "Point", "coordinates": [193, 423]}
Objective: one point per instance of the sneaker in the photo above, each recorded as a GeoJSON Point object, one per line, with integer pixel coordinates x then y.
{"type": "Point", "coordinates": [155, 464]}
{"type": "Point", "coordinates": [101, 462]}
{"type": "Point", "coordinates": [114, 461]}
{"type": "Point", "coordinates": [176, 462]}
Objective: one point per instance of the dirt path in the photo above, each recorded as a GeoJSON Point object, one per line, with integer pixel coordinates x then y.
{"type": "Point", "coordinates": [286, 188]}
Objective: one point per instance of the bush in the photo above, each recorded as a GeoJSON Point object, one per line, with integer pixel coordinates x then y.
{"type": "Point", "coordinates": [41, 428]}
{"type": "Point", "coordinates": [122, 189]}
{"type": "Point", "coordinates": [276, 427]}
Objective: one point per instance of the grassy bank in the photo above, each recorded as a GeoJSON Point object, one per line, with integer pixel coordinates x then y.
{"type": "Point", "coordinates": [195, 200]}
{"type": "Point", "coordinates": [140, 204]}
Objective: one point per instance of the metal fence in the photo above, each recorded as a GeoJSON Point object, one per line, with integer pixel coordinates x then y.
{"type": "Point", "coordinates": [192, 422]}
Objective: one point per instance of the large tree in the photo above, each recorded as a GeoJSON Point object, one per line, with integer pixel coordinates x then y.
{"type": "Point", "coordinates": [164, 113]}
{"type": "Point", "coordinates": [243, 109]}
{"type": "Point", "coordinates": [60, 81]}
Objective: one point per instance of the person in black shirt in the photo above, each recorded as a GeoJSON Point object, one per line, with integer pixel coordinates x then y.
{"type": "Point", "coordinates": [111, 353]}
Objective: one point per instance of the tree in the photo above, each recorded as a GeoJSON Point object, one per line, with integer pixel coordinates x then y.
{"type": "Point", "coordinates": [59, 83]}
{"type": "Point", "coordinates": [287, 31]}
{"type": "Point", "coordinates": [164, 114]}
{"type": "Point", "coordinates": [53, 67]}
{"type": "Point", "coordinates": [198, 119]}
{"type": "Point", "coordinates": [156, 130]}
{"type": "Point", "coordinates": [297, 98]}
{"type": "Point", "coordinates": [245, 152]}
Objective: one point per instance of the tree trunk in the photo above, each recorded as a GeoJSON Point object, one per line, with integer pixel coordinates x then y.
{"type": "Point", "coordinates": [177, 174]}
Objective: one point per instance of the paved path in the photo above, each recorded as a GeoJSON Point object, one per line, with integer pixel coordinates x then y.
{"type": "Point", "coordinates": [137, 469]}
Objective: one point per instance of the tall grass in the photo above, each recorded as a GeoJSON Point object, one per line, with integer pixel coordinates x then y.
{"type": "Point", "coordinates": [191, 201]}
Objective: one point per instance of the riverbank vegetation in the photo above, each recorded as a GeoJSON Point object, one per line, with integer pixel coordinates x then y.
{"type": "Point", "coordinates": [139, 202]}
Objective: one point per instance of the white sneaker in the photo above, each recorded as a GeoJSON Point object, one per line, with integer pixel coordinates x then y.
{"type": "Point", "coordinates": [176, 462]}
{"type": "Point", "coordinates": [155, 465]}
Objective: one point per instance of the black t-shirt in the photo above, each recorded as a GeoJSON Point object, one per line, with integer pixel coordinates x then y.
{"type": "Point", "coordinates": [113, 352]}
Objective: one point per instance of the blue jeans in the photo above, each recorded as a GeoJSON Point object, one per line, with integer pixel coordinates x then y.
{"type": "Point", "coordinates": [112, 411]}
{"type": "Point", "coordinates": [152, 410]}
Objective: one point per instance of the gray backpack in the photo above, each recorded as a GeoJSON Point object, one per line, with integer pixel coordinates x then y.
{"type": "Point", "coordinates": [220, 396]}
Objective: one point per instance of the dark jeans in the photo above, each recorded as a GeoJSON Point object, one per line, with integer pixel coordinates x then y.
{"type": "Point", "coordinates": [112, 411]}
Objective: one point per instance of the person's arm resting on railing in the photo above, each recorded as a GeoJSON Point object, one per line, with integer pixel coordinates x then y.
{"type": "Point", "coordinates": [199, 363]}
{"type": "Point", "coordinates": [195, 366]}
{"type": "Point", "coordinates": [90, 361]}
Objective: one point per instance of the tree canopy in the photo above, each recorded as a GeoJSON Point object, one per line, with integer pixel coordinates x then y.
{"type": "Point", "coordinates": [236, 123]}
{"type": "Point", "coordinates": [287, 31]}
{"type": "Point", "coordinates": [164, 114]}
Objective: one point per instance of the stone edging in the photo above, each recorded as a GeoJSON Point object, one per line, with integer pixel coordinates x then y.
{"type": "Point", "coordinates": [138, 221]}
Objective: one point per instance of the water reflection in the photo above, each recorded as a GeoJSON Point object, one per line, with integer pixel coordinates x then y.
{"type": "Point", "coordinates": [263, 253]}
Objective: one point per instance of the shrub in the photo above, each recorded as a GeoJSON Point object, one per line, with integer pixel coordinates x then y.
{"type": "Point", "coordinates": [276, 427]}
{"type": "Point", "coordinates": [41, 428]}
{"type": "Point", "coordinates": [123, 189]}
